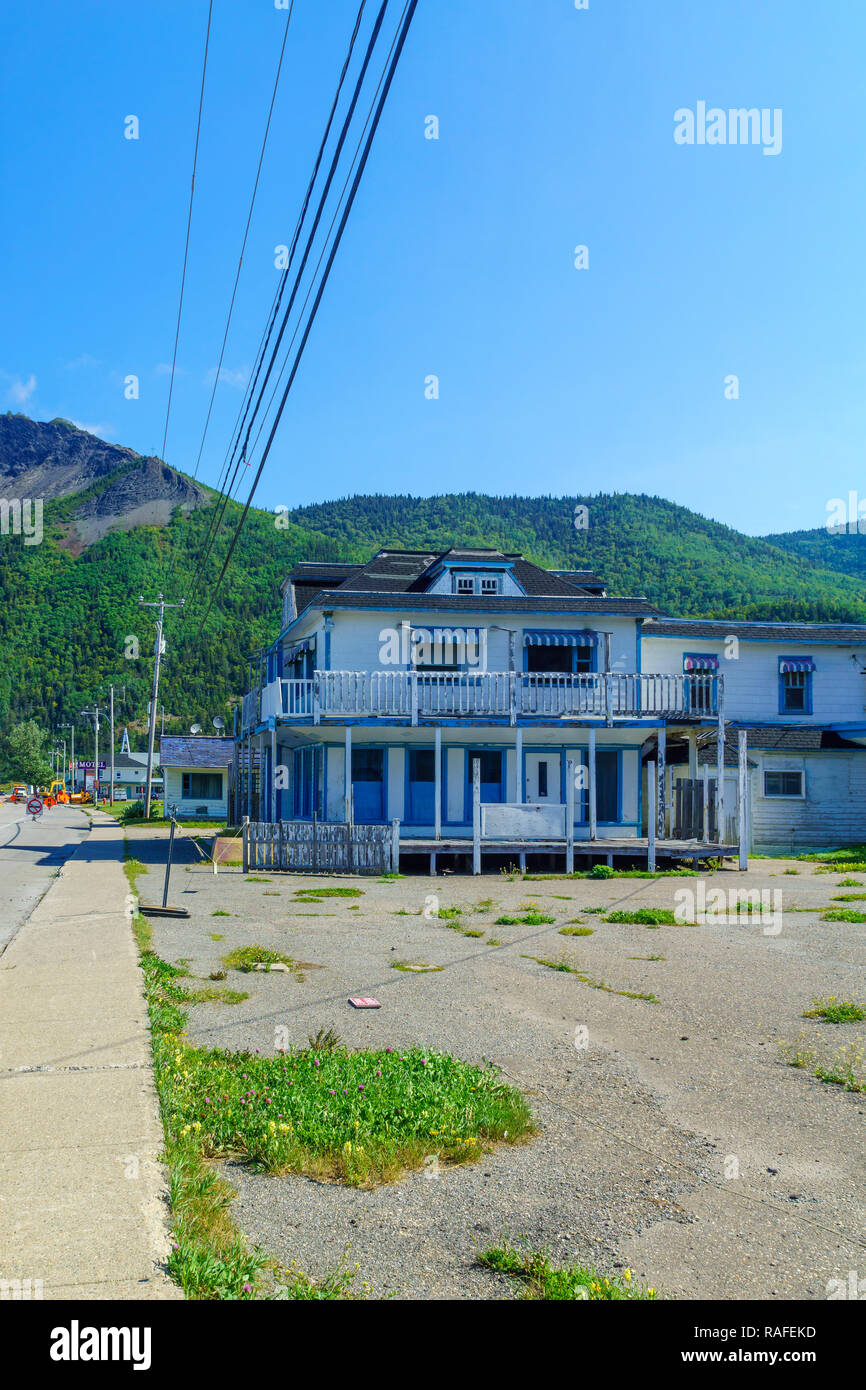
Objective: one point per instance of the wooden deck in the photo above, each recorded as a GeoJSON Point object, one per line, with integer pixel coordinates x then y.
{"type": "Point", "coordinates": [603, 851]}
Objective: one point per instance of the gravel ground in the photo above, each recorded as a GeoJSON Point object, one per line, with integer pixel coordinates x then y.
{"type": "Point", "coordinates": [675, 1142]}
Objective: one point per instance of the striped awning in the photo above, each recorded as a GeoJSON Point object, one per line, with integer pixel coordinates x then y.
{"type": "Point", "coordinates": [795, 663]}
{"type": "Point", "coordinates": [307, 645]}
{"type": "Point", "coordinates": [551, 637]}
{"type": "Point", "coordinates": [701, 663]}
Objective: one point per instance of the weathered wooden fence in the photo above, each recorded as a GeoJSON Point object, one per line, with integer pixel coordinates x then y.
{"type": "Point", "coordinates": [693, 797]}
{"type": "Point", "coordinates": [321, 847]}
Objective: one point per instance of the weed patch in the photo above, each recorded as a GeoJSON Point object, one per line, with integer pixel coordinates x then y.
{"type": "Point", "coordinates": [646, 917]}
{"type": "Point", "coordinates": [834, 1010]}
{"type": "Point", "coordinates": [541, 1280]}
{"type": "Point", "coordinates": [844, 1067]}
{"type": "Point", "coordinates": [529, 919]}
{"type": "Point", "coordinates": [576, 931]}
{"type": "Point", "coordinates": [843, 914]}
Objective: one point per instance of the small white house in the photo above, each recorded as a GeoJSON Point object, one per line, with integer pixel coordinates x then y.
{"type": "Point", "coordinates": [196, 773]}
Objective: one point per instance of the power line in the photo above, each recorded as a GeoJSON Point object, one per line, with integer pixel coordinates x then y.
{"type": "Point", "coordinates": [220, 507]}
{"type": "Point", "coordinates": [188, 226]}
{"type": "Point", "coordinates": [246, 234]}
{"type": "Point", "coordinates": [408, 15]}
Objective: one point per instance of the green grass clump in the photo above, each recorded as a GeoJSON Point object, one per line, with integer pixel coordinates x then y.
{"type": "Point", "coordinates": [311, 895]}
{"type": "Point", "coordinates": [415, 967]}
{"type": "Point", "coordinates": [645, 917]}
{"type": "Point", "coordinates": [356, 1117]}
{"type": "Point", "coordinates": [258, 880]}
{"type": "Point", "coordinates": [849, 883]}
{"type": "Point", "coordinates": [858, 868]}
{"type": "Point", "coordinates": [246, 958]}
{"type": "Point", "coordinates": [602, 871]}
{"type": "Point", "coordinates": [448, 914]}
{"type": "Point", "coordinates": [843, 914]}
{"type": "Point", "coordinates": [209, 995]}
{"type": "Point", "coordinates": [848, 898]}
{"type": "Point", "coordinates": [845, 1067]}
{"type": "Point", "coordinates": [568, 969]}
{"type": "Point", "coordinates": [528, 919]}
{"type": "Point", "coordinates": [220, 912]}
{"type": "Point", "coordinates": [541, 1280]}
{"type": "Point", "coordinates": [834, 1010]}
{"type": "Point", "coordinates": [576, 931]}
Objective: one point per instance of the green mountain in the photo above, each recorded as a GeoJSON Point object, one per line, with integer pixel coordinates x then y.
{"type": "Point", "coordinates": [117, 526]}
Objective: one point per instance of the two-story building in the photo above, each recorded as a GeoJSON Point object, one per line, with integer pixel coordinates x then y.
{"type": "Point", "coordinates": [391, 679]}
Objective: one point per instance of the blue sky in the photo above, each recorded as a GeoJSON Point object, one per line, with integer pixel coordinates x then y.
{"type": "Point", "coordinates": [556, 129]}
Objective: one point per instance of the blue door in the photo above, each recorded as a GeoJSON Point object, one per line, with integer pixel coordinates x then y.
{"type": "Point", "coordinates": [492, 776]}
{"type": "Point", "coordinates": [368, 784]}
{"type": "Point", "coordinates": [421, 790]}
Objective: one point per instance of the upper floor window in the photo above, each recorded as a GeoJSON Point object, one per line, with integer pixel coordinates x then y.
{"type": "Point", "coordinates": [795, 684]}
{"type": "Point", "coordinates": [571, 653]}
{"type": "Point", "coordinates": [477, 584]}
{"type": "Point", "coordinates": [701, 667]}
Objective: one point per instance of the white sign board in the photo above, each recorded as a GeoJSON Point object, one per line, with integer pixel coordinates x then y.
{"type": "Point", "coordinates": [512, 821]}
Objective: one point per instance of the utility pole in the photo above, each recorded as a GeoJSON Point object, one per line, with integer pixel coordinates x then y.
{"type": "Point", "coordinates": [111, 717]}
{"type": "Point", "coordinates": [161, 606]}
{"type": "Point", "coordinates": [72, 728]}
{"type": "Point", "coordinates": [95, 713]}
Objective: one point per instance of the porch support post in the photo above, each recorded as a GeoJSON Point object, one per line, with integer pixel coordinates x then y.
{"type": "Point", "coordinates": [518, 748]}
{"type": "Point", "coordinates": [593, 821]}
{"type": "Point", "coordinates": [274, 774]}
{"type": "Point", "coordinates": [692, 740]}
{"type": "Point", "coordinates": [743, 800]}
{"type": "Point", "coordinates": [569, 816]}
{"type": "Point", "coordinates": [249, 776]}
{"type": "Point", "coordinates": [347, 785]}
{"type": "Point", "coordinates": [662, 779]}
{"type": "Point", "coordinates": [706, 802]}
{"type": "Point", "coordinates": [720, 764]}
{"type": "Point", "coordinates": [395, 846]}
{"type": "Point", "coordinates": [476, 816]}
{"type": "Point", "coordinates": [263, 810]}
{"type": "Point", "coordinates": [437, 787]}
{"type": "Point", "coordinates": [652, 811]}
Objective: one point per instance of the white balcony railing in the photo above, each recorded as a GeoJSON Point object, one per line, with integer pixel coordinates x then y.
{"type": "Point", "coordinates": [414, 695]}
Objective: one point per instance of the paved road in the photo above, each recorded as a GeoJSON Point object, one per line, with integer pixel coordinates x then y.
{"type": "Point", "coordinates": [30, 856]}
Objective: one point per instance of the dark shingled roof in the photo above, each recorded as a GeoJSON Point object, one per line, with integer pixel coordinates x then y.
{"type": "Point", "coordinates": [571, 602]}
{"type": "Point", "coordinates": [195, 752]}
{"type": "Point", "coordinates": [410, 571]}
{"type": "Point", "coordinates": [843, 633]}
{"type": "Point", "coordinates": [796, 738]}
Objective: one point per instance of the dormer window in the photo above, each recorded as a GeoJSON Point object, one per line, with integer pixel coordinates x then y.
{"type": "Point", "coordinates": [477, 584]}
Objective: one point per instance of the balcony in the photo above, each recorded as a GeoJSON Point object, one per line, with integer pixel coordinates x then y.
{"type": "Point", "coordinates": [421, 696]}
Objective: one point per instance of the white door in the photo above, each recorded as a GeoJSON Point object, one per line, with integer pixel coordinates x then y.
{"type": "Point", "coordinates": [542, 779]}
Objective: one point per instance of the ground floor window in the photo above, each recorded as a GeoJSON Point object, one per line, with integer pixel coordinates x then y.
{"type": "Point", "coordinates": [784, 784]}
{"type": "Point", "coordinates": [202, 786]}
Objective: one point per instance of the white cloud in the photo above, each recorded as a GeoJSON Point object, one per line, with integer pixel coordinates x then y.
{"type": "Point", "coordinates": [232, 376]}
{"type": "Point", "coordinates": [85, 360]}
{"type": "Point", "coordinates": [21, 391]}
{"type": "Point", "coordinates": [104, 431]}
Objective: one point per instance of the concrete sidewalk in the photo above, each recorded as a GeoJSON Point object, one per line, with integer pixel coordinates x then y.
{"type": "Point", "coordinates": [83, 1198]}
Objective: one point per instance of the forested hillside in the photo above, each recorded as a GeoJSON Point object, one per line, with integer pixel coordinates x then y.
{"type": "Point", "coordinates": [69, 608]}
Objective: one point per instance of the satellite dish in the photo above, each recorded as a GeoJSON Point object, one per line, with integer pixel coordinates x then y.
{"type": "Point", "coordinates": [219, 723]}
{"type": "Point", "coordinates": [195, 728]}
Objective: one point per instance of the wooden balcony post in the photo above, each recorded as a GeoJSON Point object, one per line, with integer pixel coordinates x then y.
{"type": "Point", "coordinates": [512, 697]}
{"type": "Point", "coordinates": [720, 763]}
{"type": "Point", "coordinates": [476, 816]}
{"type": "Point", "coordinates": [743, 799]}
{"type": "Point", "coordinates": [316, 705]}
{"type": "Point", "coordinates": [608, 697]}
{"type": "Point", "coordinates": [413, 694]}
{"type": "Point", "coordinates": [593, 823]}
{"type": "Point", "coordinates": [662, 768]}
{"type": "Point", "coordinates": [569, 816]}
